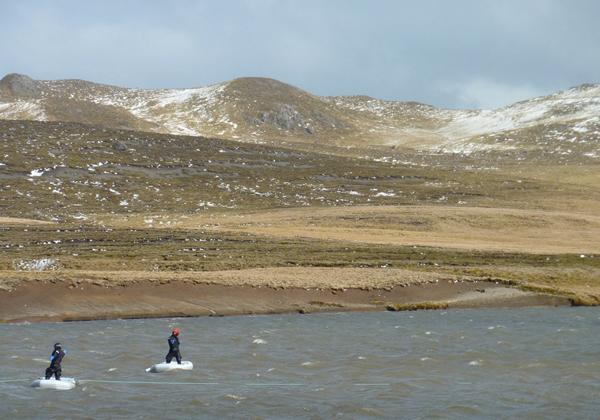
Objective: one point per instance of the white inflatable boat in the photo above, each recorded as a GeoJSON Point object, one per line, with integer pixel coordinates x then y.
{"type": "Point", "coordinates": [166, 367]}
{"type": "Point", "coordinates": [63, 384]}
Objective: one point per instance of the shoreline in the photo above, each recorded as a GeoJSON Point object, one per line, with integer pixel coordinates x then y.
{"type": "Point", "coordinates": [58, 300]}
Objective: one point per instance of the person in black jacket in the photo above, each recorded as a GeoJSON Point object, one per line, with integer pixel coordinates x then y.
{"type": "Point", "coordinates": [174, 347]}
{"type": "Point", "coordinates": [55, 360]}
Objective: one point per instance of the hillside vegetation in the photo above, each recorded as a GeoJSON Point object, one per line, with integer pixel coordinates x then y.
{"type": "Point", "coordinates": [565, 124]}
{"type": "Point", "coordinates": [107, 183]}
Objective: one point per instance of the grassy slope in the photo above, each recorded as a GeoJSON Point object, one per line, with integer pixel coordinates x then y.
{"type": "Point", "coordinates": [260, 110]}
{"type": "Point", "coordinates": [94, 170]}
{"type": "Point", "coordinates": [107, 216]}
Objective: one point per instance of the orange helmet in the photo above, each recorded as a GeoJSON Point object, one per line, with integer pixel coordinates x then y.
{"type": "Point", "coordinates": [175, 332]}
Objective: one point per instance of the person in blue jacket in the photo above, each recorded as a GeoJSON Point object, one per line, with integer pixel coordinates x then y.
{"type": "Point", "coordinates": [56, 358]}
{"type": "Point", "coordinates": [174, 347]}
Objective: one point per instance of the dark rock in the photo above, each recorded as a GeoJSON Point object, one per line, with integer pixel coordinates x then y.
{"type": "Point", "coordinates": [19, 85]}
{"type": "Point", "coordinates": [119, 146]}
{"type": "Point", "coordinates": [327, 120]}
{"type": "Point", "coordinates": [284, 117]}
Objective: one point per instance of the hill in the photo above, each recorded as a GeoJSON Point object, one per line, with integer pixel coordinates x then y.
{"type": "Point", "coordinates": [112, 188]}
{"type": "Point", "coordinates": [262, 110]}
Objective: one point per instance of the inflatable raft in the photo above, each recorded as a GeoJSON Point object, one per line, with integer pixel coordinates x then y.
{"type": "Point", "coordinates": [166, 367]}
{"type": "Point", "coordinates": [63, 384]}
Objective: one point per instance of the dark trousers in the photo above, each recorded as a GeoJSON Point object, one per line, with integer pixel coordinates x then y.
{"type": "Point", "coordinates": [175, 354]}
{"type": "Point", "coordinates": [54, 370]}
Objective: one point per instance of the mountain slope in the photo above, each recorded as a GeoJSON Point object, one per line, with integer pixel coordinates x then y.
{"type": "Point", "coordinates": [67, 171]}
{"type": "Point", "coordinates": [264, 110]}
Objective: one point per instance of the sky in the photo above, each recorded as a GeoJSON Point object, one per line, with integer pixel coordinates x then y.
{"type": "Point", "coordinates": [454, 54]}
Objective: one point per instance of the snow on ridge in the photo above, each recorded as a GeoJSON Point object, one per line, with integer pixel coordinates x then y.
{"type": "Point", "coordinates": [380, 107]}
{"type": "Point", "coordinates": [140, 99]}
{"type": "Point", "coordinates": [208, 94]}
{"type": "Point", "coordinates": [573, 104]}
{"type": "Point", "coordinates": [465, 124]}
{"type": "Point", "coordinates": [578, 93]}
{"type": "Point", "coordinates": [177, 111]}
{"type": "Point", "coordinates": [22, 109]}
{"type": "Point", "coordinates": [569, 106]}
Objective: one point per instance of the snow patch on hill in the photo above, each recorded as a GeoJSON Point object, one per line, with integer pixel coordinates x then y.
{"type": "Point", "coordinates": [23, 109]}
{"type": "Point", "coordinates": [382, 109]}
{"type": "Point", "coordinates": [563, 107]}
{"type": "Point", "coordinates": [572, 116]}
{"type": "Point", "coordinates": [178, 111]}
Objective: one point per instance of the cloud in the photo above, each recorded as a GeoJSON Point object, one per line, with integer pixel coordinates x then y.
{"type": "Point", "coordinates": [484, 93]}
{"type": "Point", "coordinates": [472, 53]}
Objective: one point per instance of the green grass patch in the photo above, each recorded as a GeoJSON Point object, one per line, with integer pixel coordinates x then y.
{"type": "Point", "coordinates": [397, 307]}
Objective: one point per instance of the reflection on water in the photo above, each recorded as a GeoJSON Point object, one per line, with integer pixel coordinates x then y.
{"type": "Point", "coordinates": [534, 363]}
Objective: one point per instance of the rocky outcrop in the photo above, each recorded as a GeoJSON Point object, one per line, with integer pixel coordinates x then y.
{"type": "Point", "coordinates": [17, 86]}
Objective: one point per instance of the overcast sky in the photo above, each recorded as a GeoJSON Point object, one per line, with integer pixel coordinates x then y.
{"type": "Point", "coordinates": [454, 54]}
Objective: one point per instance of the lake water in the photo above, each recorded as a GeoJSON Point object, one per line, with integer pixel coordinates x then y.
{"type": "Point", "coordinates": [491, 363]}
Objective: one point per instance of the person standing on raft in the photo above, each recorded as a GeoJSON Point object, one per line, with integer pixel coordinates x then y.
{"type": "Point", "coordinates": [174, 347]}
{"type": "Point", "coordinates": [55, 360]}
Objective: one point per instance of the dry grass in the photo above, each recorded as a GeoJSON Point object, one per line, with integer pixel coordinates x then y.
{"type": "Point", "coordinates": [292, 277]}
{"type": "Point", "coordinates": [192, 209]}
{"type": "Point", "coordinates": [115, 256]}
{"type": "Point", "coordinates": [499, 229]}
{"type": "Point", "coordinates": [397, 307]}
{"type": "Point", "coordinates": [8, 221]}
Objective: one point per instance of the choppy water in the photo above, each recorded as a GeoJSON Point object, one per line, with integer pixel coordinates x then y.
{"type": "Point", "coordinates": [525, 363]}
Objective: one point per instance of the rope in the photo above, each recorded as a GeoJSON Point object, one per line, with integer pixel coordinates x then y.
{"type": "Point", "coordinates": [256, 384]}
{"type": "Point", "coordinates": [106, 381]}
{"type": "Point", "coordinates": [371, 384]}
